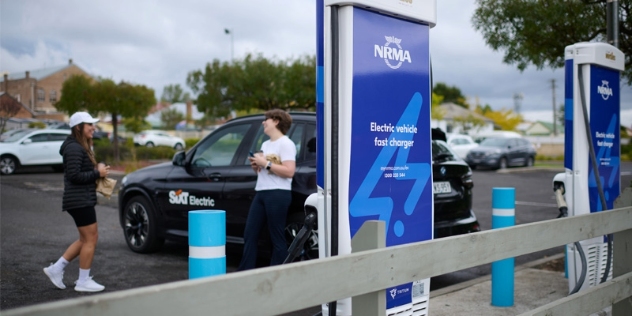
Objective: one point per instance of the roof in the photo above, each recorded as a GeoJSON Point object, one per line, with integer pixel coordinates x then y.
{"type": "Point", "coordinates": [452, 111]}
{"type": "Point", "coordinates": [37, 74]}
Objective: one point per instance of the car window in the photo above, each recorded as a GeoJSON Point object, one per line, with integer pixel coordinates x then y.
{"type": "Point", "coordinates": [495, 142]}
{"type": "Point", "coordinates": [310, 148]}
{"type": "Point", "coordinates": [54, 137]}
{"type": "Point", "coordinates": [297, 137]}
{"type": "Point", "coordinates": [220, 148]}
{"type": "Point", "coordinates": [39, 138]}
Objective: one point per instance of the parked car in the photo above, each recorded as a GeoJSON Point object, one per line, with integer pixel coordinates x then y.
{"type": "Point", "coordinates": [215, 174]}
{"type": "Point", "coordinates": [151, 138]}
{"type": "Point", "coordinates": [32, 147]}
{"type": "Point", "coordinates": [8, 133]}
{"type": "Point", "coordinates": [500, 153]}
{"type": "Point", "coordinates": [461, 144]}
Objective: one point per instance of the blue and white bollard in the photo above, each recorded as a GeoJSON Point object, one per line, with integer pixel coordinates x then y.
{"type": "Point", "coordinates": [503, 215]}
{"type": "Point", "coordinates": [207, 243]}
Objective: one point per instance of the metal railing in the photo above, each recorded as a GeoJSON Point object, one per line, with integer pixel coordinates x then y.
{"type": "Point", "coordinates": [281, 289]}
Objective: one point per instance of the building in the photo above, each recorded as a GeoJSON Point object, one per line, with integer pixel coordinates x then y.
{"type": "Point", "coordinates": [457, 119]}
{"type": "Point", "coordinates": [39, 89]}
{"type": "Point", "coordinates": [540, 128]}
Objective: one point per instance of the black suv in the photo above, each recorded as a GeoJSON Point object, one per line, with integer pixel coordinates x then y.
{"type": "Point", "coordinates": [215, 174]}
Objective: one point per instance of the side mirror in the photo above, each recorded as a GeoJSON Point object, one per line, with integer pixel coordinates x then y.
{"type": "Point", "coordinates": [27, 141]}
{"type": "Point", "coordinates": [178, 158]}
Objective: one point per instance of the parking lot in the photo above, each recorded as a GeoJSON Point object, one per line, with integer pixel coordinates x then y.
{"type": "Point", "coordinates": [34, 232]}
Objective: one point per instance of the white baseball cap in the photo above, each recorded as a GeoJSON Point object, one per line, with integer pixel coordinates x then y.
{"type": "Point", "coordinates": [81, 117]}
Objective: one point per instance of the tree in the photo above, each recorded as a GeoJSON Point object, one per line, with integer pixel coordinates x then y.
{"type": "Point", "coordinates": [254, 84]}
{"type": "Point", "coordinates": [506, 119]}
{"type": "Point", "coordinates": [536, 32]}
{"type": "Point", "coordinates": [174, 94]}
{"type": "Point", "coordinates": [75, 94]}
{"type": "Point", "coordinates": [9, 107]}
{"type": "Point", "coordinates": [450, 94]}
{"type": "Point", "coordinates": [171, 117]}
{"type": "Point", "coordinates": [105, 96]}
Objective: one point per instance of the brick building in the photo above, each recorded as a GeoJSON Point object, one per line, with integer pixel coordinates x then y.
{"type": "Point", "coordinates": [39, 89]}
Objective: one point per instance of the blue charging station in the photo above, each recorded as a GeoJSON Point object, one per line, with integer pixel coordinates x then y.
{"type": "Point", "coordinates": [592, 120]}
{"type": "Point", "coordinates": [373, 111]}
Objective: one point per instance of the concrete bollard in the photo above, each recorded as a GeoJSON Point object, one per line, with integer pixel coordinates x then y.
{"type": "Point", "coordinates": [503, 215]}
{"type": "Point", "coordinates": [207, 243]}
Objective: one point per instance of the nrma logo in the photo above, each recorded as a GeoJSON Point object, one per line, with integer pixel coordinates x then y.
{"type": "Point", "coordinates": [393, 56]}
{"type": "Point", "coordinates": [604, 89]}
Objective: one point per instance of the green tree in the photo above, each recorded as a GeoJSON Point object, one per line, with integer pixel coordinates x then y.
{"type": "Point", "coordinates": [537, 31]}
{"type": "Point", "coordinates": [254, 84]}
{"type": "Point", "coordinates": [174, 94]}
{"type": "Point", "coordinates": [450, 94]}
{"type": "Point", "coordinates": [170, 118]}
{"type": "Point", "coordinates": [506, 119]}
{"type": "Point", "coordinates": [75, 94]}
{"type": "Point", "coordinates": [105, 96]}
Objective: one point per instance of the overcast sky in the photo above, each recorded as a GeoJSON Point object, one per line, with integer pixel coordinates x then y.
{"type": "Point", "coordinates": [157, 42]}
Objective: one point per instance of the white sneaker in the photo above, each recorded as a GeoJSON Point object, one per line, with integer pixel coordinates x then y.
{"type": "Point", "coordinates": [89, 286]}
{"type": "Point", "coordinates": [57, 277]}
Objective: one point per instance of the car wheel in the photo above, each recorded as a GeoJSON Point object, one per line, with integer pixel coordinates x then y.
{"type": "Point", "coordinates": [310, 248]}
{"type": "Point", "coordinates": [140, 226]}
{"type": "Point", "coordinates": [529, 162]}
{"type": "Point", "coordinates": [502, 164]}
{"type": "Point", "coordinates": [149, 144]}
{"type": "Point", "coordinates": [178, 146]}
{"type": "Point", "coordinates": [8, 165]}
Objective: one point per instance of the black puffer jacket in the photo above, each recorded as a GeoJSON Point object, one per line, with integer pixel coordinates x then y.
{"type": "Point", "coordinates": [80, 175]}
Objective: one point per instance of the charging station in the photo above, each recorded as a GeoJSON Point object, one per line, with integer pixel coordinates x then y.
{"type": "Point", "coordinates": [374, 137]}
{"type": "Point", "coordinates": [591, 150]}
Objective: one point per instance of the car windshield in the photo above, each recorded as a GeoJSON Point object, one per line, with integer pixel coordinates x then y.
{"type": "Point", "coordinates": [495, 142]}
{"type": "Point", "coordinates": [441, 151]}
{"type": "Point", "coordinates": [16, 136]}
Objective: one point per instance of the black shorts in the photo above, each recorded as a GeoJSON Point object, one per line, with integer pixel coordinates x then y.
{"type": "Point", "coordinates": [83, 216]}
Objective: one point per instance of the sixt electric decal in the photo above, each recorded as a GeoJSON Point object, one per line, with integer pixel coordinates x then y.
{"type": "Point", "coordinates": [180, 197]}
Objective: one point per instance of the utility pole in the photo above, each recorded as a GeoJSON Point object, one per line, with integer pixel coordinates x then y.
{"type": "Point", "coordinates": [612, 22]}
{"type": "Point", "coordinates": [554, 110]}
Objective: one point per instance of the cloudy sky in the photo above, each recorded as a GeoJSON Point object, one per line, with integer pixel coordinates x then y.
{"type": "Point", "coordinates": [157, 42]}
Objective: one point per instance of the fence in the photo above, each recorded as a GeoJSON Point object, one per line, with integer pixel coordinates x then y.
{"type": "Point", "coordinates": [281, 289]}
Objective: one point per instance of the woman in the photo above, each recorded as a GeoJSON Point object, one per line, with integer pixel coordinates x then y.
{"type": "Point", "coordinates": [80, 173]}
{"type": "Point", "coordinates": [275, 167]}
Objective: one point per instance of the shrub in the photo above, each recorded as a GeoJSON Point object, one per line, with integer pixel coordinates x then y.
{"type": "Point", "coordinates": [190, 142]}
{"type": "Point", "coordinates": [38, 124]}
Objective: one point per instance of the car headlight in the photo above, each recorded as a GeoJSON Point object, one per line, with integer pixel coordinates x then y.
{"type": "Point", "coordinates": [494, 154]}
{"type": "Point", "coordinates": [124, 181]}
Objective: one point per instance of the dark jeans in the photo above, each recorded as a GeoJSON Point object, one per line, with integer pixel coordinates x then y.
{"type": "Point", "coordinates": [269, 206]}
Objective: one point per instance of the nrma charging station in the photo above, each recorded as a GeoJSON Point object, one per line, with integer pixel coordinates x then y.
{"type": "Point", "coordinates": [374, 136]}
{"type": "Point", "coordinates": [592, 120]}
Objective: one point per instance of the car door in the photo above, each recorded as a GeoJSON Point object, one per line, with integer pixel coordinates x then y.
{"type": "Point", "coordinates": [513, 152]}
{"type": "Point", "coordinates": [200, 183]}
{"type": "Point", "coordinates": [55, 139]}
{"type": "Point", "coordinates": [35, 149]}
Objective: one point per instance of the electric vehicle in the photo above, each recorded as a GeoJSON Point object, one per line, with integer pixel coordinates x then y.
{"type": "Point", "coordinates": [215, 174]}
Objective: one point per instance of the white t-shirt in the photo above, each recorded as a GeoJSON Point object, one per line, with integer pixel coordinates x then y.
{"type": "Point", "coordinates": [283, 149]}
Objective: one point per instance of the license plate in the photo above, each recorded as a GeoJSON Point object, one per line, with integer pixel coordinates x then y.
{"type": "Point", "coordinates": [441, 187]}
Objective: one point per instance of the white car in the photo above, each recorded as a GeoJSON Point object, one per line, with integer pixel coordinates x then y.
{"type": "Point", "coordinates": [32, 147]}
{"type": "Point", "coordinates": [151, 138]}
{"type": "Point", "coordinates": [461, 144]}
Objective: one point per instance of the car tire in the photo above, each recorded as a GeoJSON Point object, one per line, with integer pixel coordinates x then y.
{"type": "Point", "coordinates": [8, 165]}
{"type": "Point", "coordinates": [529, 162]}
{"type": "Point", "coordinates": [178, 147]}
{"type": "Point", "coordinates": [502, 163]}
{"type": "Point", "coordinates": [149, 145]}
{"type": "Point", "coordinates": [293, 226]}
{"type": "Point", "coordinates": [140, 226]}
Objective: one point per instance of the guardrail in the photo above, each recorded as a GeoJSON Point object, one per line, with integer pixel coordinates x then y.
{"type": "Point", "coordinates": [281, 289]}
